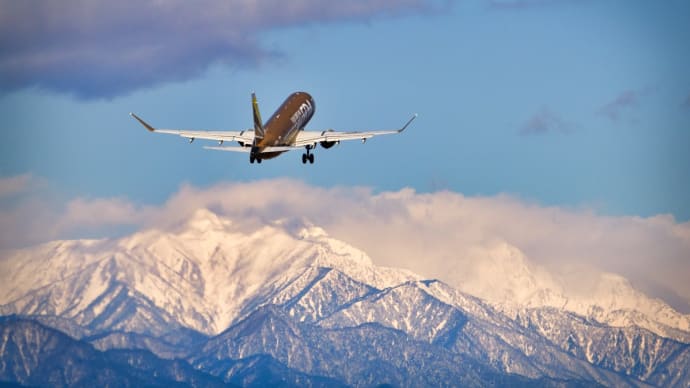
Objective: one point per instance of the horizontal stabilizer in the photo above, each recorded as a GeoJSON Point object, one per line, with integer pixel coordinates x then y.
{"type": "Point", "coordinates": [280, 149]}
{"type": "Point", "coordinates": [230, 149]}
{"type": "Point", "coordinates": [248, 149]}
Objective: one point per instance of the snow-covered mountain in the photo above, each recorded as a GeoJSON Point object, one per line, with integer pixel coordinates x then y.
{"type": "Point", "coordinates": [202, 276]}
{"type": "Point", "coordinates": [508, 281]}
{"type": "Point", "coordinates": [284, 302]}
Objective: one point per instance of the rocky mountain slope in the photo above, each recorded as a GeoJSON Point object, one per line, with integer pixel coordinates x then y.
{"type": "Point", "coordinates": [283, 303]}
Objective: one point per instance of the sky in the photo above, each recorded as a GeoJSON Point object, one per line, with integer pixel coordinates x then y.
{"type": "Point", "coordinates": [573, 107]}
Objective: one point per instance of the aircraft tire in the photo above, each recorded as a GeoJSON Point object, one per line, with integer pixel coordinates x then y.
{"type": "Point", "coordinates": [304, 158]}
{"type": "Point", "coordinates": [311, 158]}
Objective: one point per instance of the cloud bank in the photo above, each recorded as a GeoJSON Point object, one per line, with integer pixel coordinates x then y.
{"type": "Point", "coordinates": [16, 185]}
{"type": "Point", "coordinates": [443, 235]}
{"type": "Point", "coordinates": [527, 4]}
{"type": "Point", "coordinates": [108, 48]}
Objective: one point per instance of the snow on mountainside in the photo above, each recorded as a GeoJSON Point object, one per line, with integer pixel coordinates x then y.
{"type": "Point", "coordinates": [511, 283]}
{"type": "Point", "coordinates": [200, 275]}
{"type": "Point", "coordinates": [308, 308]}
{"type": "Point", "coordinates": [34, 355]}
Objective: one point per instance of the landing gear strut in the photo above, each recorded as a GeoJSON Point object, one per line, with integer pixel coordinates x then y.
{"type": "Point", "coordinates": [308, 156]}
{"type": "Point", "coordinates": [253, 155]}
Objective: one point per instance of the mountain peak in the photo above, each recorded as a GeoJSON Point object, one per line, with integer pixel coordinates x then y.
{"type": "Point", "coordinates": [287, 290]}
{"type": "Point", "coordinates": [312, 232]}
{"type": "Point", "coordinates": [204, 220]}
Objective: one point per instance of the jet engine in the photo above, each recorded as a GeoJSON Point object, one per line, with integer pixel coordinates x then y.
{"type": "Point", "coordinates": [328, 144]}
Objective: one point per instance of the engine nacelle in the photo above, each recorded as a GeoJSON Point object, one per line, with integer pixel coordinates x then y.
{"type": "Point", "coordinates": [328, 144]}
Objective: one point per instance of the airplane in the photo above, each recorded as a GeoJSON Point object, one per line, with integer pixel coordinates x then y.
{"type": "Point", "coordinates": [283, 132]}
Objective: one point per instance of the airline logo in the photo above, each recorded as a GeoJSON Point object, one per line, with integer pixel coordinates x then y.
{"type": "Point", "coordinates": [304, 111]}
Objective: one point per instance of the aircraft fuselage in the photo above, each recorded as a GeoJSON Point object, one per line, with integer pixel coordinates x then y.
{"type": "Point", "coordinates": [284, 125]}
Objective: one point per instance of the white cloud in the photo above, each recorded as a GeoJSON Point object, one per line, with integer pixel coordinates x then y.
{"type": "Point", "coordinates": [443, 235]}
{"type": "Point", "coordinates": [16, 185]}
{"type": "Point", "coordinates": [83, 213]}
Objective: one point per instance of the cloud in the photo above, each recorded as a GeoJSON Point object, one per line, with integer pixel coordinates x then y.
{"type": "Point", "coordinates": [443, 235]}
{"type": "Point", "coordinates": [542, 122]}
{"type": "Point", "coordinates": [90, 214]}
{"type": "Point", "coordinates": [527, 4]}
{"type": "Point", "coordinates": [13, 186]}
{"type": "Point", "coordinates": [38, 218]}
{"type": "Point", "coordinates": [625, 101]}
{"type": "Point", "coordinates": [101, 48]}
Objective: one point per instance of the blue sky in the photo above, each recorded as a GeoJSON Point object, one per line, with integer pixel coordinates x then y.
{"type": "Point", "coordinates": [576, 104]}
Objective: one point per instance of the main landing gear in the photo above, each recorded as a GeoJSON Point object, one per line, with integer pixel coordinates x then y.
{"type": "Point", "coordinates": [308, 156]}
{"type": "Point", "coordinates": [254, 155]}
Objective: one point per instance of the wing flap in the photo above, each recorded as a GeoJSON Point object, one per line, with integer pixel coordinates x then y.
{"type": "Point", "coordinates": [243, 136]}
{"type": "Point", "coordinates": [310, 137]}
{"type": "Point", "coordinates": [246, 136]}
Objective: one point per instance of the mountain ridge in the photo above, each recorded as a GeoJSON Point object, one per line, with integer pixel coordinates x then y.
{"type": "Point", "coordinates": [189, 291]}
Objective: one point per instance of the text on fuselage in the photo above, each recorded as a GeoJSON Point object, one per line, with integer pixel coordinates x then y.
{"type": "Point", "coordinates": [303, 112]}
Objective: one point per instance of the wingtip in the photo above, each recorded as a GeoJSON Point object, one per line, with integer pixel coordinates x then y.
{"type": "Point", "coordinates": [408, 123]}
{"type": "Point", "coordinates": [142, 122]}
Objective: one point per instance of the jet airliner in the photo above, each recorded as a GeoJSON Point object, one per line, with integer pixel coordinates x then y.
{"type": "Point", "coordinates": [283, 132]}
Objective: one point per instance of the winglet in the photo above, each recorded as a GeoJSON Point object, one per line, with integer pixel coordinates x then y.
{"type": "Point", "coordinates": [142, 122]}
{"type": "Point", "coordinates": [408, 123]}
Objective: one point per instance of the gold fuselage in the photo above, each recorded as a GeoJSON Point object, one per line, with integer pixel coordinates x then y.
{"type": "Point", "coordinates": [284, 125]}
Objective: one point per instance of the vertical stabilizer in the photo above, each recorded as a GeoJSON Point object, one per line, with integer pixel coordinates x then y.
{"type": "Point", "coordinates": [258, 126]}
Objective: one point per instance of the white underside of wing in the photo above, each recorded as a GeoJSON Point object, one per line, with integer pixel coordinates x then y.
{"type": "Point", "coordinates": [243, 136]}
{"type": "Point", "coordinates": [310, 137]}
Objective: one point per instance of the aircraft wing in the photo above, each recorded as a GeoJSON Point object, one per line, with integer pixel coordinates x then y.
{"type": "Point", "coordinates": [246, 137]}
{"type": "Point", "coordinates": [305, 138]}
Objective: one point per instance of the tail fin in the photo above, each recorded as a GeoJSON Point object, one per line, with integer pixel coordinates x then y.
{"type": "Point", "coordinates": [258, 126]}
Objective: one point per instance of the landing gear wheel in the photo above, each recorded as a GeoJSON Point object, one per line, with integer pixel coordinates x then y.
{"type": "Point", "coordinates": [304, 158]}
{"type": "Point", "coordinates": [251, 159]}
{"type": "Point", "coordinates": [311, 158]}
{"type": "Point", "coordinates": [258, 160]}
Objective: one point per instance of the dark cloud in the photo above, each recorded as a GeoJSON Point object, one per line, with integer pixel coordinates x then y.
{"type": "Point", "coordinates": [625, 101]}
{"type": "Point", "coordinates": [527, 4]}
{"type": "Point", "coordinates": [108, 48]}
{"type": "Point", "coordinates": [542, 122]}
